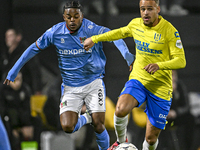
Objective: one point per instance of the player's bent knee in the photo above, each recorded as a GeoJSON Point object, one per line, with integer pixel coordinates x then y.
{"type": "Point", "coordinates": [122, 110]}
{"type": "Point", "coordinates": [151, 141]}
{"type": "Point", "coordinates": [99, 127]}
{"type": "Point", "coordinates": [68, 128]}
{"type": "Point", "coordinates": [120, 113]}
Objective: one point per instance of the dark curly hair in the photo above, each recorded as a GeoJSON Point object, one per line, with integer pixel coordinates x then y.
{"type": "Point", "coordinates": [72, 4]}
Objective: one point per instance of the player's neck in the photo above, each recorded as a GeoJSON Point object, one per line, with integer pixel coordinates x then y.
{"type": "Point", "coordinates": [156, 22]}
{"type": "Point", "coordinates": [71, 32]}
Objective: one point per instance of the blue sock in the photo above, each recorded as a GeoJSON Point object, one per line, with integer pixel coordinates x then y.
{"type": "Point", "coordinates": [81, 122]}
{"type": "Point", "coordinates": [4, 142]}
{"type": "Point", "coordinates": [103, 140]}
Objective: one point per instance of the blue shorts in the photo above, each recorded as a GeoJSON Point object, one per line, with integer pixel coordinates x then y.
{"type": "Point", "coordinates": [157, 108]}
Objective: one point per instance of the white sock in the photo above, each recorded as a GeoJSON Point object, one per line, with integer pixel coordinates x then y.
{"type": "Point", "coordinates": [146, 145]}
{"type": "Point", "coordinates": [120, 128]}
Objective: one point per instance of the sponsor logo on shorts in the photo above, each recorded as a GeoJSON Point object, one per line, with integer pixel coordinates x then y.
{"type": "Point", "coordinates": [162, 116]}
{"type": "Point", "coordinates": [159, 122]}
{"type": "Point", "coordinates": [100, 97]}
{"type": "Point", "coordinates": [63, 104]}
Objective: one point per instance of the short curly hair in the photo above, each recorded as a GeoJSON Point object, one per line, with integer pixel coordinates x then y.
{"type": "Point", "coordinates": [72, 4]}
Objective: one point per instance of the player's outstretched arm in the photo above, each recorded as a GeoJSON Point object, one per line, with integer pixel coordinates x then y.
{"type": "Point", "coordinates": [122, 47]}
{"type": "Point", "coordinates": [88, 43]}
{"type": "Point", "coordinates": [29, 53]}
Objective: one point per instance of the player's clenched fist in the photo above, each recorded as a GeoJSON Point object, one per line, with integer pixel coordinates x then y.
{"type": "Point", "coordinates": [88, 43]}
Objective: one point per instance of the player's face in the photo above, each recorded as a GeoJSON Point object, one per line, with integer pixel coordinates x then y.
{"type": "Point", "coordinates": [73, 17]}
{"type": "Point", "coordinates": [149, 12]}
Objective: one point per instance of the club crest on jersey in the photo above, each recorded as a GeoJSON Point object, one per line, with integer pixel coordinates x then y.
{"type": "Point", "coordinates": [157, 36]}
{"type": "Point", "coordinates": [82, 39]}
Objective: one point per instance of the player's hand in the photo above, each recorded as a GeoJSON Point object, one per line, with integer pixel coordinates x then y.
{"type": "Point", "coordinates": [151, 68]}
{"type": "Point", "coordinates": [131, 66]}
{"type": "Point", "coordinates": [88, 43]}
{"type": "Point", "coordinates": [6, 82]}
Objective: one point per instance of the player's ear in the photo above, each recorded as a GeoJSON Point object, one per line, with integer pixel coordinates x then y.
{"type": "Point", "coordinates": [64, 17]}
{"type": "Point", "coordinates": [82, 16]}
{"type": "Point", "coordinates": [158, 9]}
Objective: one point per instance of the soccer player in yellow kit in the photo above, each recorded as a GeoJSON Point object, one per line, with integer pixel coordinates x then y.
{"type": "Point", "coordinates": [158, 51]}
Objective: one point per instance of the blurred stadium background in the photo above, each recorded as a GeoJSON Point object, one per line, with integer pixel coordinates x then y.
{"type": "Point", "coordinates": [34, 17]}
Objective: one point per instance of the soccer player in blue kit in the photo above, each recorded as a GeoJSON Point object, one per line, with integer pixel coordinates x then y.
{"type": "Point", "coordinates": [82, 71]}
{"type": "Point", "coordinates": [4, 142]}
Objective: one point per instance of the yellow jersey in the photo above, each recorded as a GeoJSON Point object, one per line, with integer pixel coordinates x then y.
{"type": "Point", "coordinates": [160, 44]}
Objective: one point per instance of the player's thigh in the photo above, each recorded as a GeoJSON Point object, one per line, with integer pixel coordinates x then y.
{"type": "Point", "coordinates": [157, 109]}
{"type": "Point", "coordinates": [70, 105]}
{"type": "Point", "coordinates": [95, 99]}
{"type": "Point", "coordinates": [72, 99]}
{"type": "Point", "coordinates": [125, 104]}
{"type": "Point", "coordinates": [152, 132]}
{"type": "Point", "coordinates": [132, 95]}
